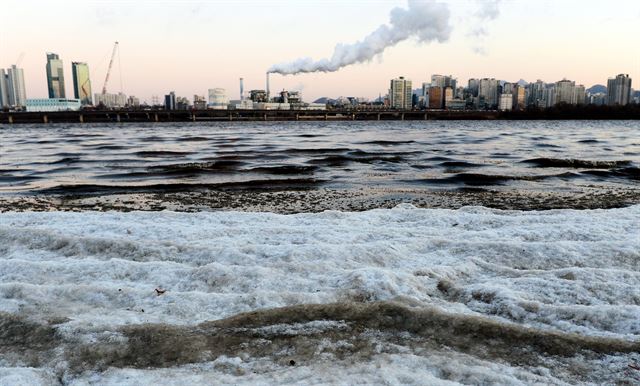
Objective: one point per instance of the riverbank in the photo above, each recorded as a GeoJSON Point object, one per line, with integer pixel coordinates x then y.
{"type": "Point", "coordinates": [137, 116]}
{"type": "Point", "coordinates": [287, 201]}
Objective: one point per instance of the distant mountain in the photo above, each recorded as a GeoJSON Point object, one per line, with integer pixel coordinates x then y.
{"type": "Point", "coordinates": [597, 89]}
{"type": "Point", "coordinates": [521, 82]}
{"type": "Point", "coordinates": [321, 100]}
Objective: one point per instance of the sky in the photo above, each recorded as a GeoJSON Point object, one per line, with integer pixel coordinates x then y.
{"type": "Point", "coordinates": [191, 46]}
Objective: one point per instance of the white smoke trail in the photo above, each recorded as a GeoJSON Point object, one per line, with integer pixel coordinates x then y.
{"type": "Point", "coordinates": [426, 21]}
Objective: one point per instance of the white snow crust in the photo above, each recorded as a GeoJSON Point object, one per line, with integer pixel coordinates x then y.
{"type": "Point", "coordinates": [561, 270]}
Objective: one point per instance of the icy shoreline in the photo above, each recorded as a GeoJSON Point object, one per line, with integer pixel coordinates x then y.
{"type": "Point", "coordinates": [89, 279]}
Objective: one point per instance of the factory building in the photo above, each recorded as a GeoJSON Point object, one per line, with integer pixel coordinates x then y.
{"type": "Point", "coordinates": [218, 99]}
{"type": "Point", "coordinates": [53, 104]}
{"type": "Point", "coordinates": [258, 96]}
{"type": "Point", "coordinates": [199, 102]}
{"type": "Point", "coordinates": [271, 106]}
{"type": "Point", "coordinates": [111, 101]}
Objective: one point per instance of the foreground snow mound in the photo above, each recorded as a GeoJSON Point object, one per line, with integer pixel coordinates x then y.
{"type": "Point", "coordinates": [469, 296]}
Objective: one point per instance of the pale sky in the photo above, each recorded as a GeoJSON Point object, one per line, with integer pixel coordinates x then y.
{"type": "Point", "coordinates": [191, 46]}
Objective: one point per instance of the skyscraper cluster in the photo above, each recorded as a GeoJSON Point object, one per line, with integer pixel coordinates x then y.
{"type": "Point", "coordinates": [443, 92]}
{"type": "Point", "coordinates": [56, 83]}
{"type": "Point", "coordinates": [13, 94]}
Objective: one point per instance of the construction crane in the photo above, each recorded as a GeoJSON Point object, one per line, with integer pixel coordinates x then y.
{"type": "Point", "coordinates": [106, 79]}
{"type": "Point", "coordinates": [20, 59]}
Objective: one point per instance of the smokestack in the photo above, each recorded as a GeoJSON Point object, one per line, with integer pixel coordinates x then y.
{"type": "Point", "coordinates": [267, 87]}
{"type": "Point", "coordinates": [241, 89]}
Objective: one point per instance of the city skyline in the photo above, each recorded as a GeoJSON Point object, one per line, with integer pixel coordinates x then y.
{"type": "Point", "coordinates": [152, 66]}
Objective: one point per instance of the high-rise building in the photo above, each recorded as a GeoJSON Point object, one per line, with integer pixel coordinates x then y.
{"type": "Point", "coordinates": [170, 101]}
{"type": "Point", "coordinates": [619, 90]}
{"type": "Point", "coordinates": [443, 81]}
{"type": "Point", "coordinates": [448, 96]}
{"type": "Point", "coordinates": [507, 88]}
{"type": "Point", "coordinates": [55, 76]}
{"type": "Point", "coordinates": [519, 97]}
{"type": "Point", "coordinates": [506, 102]}
{"type": "Point", "coordinates": [81, 83]}
{"type": "Point", "coordinates": [400, 93]}
{"type": "Point", "coordinates": [565, 92]}
{"type": "Point", "coordinates": [436, 100]}
{"type": "Point", "coordinates": [579, 94]}
{"type": "Point", "coordinates": [4, 87]}
{"type": "Point", "coordinates": [473, 87]}
{"type": "Point", "coordinates": [488, 91]}
{"type": "Point", "coordinates": [536, 94]}
{"type": "Point", "coordinates": [16, 91]}
{"type": "Point", "coordinates": [425, 89]}
{"type": "Point", "coordinates": [549, 95]}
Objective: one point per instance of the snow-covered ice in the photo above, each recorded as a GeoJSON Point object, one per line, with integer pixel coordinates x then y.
{"type": "Point", "coordinates": [89, 279]}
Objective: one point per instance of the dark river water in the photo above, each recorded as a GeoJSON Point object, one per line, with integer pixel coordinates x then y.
{"type": "Point", "coordinates": [546, 155]}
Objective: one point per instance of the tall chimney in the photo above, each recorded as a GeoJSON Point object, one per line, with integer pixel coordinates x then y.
{"type": "Point", "coordinates": [241, 89]}
{"type": "Point", "coordinates": [267, 87]}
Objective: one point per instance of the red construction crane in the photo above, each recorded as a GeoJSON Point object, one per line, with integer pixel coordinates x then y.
{"type": "Point", "coordinates": [106, 79]}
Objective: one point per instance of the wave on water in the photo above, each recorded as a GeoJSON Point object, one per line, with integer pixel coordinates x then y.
{"type": "Point", "coordinates": [161, 153]}
{"type": "Point", "coordinates": [473, 295]}
{"type": "Point", "coordinates": [575, 163]}
{"type": "Point", "coordinates": [492, 179]}
{"type": "Point", "coordinates": [261, 184]}
{"type": "Point", "coordinates": [344, 154]}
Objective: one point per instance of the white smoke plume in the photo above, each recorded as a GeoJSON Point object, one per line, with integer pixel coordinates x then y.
{"type": "Point", "coordinates": [425, 20]}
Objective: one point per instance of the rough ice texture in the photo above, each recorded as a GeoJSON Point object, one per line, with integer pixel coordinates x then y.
{"type": "Point", "coordinates": [404, 295]}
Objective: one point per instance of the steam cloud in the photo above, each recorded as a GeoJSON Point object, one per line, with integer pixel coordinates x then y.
{"type": "Point", "coordinates": [426, 21]}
